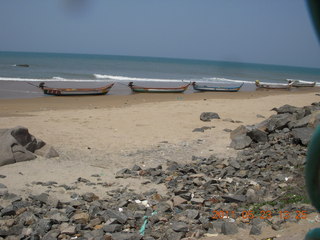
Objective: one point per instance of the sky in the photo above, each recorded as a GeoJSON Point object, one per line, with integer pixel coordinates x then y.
{"type": "Point", "coordinates": [256, 31]}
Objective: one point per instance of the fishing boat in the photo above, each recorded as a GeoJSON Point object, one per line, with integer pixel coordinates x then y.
{"type": "Point", "coordinates": [140, 89]}
{"type": "Point", "coordinates": [273, 85]}
{"type": "Point", "coordinates": [216, 88]}
{"type": "Point", "coordinates": [301, 83]}
{"type": "Point", "coordinates": [75, 91]}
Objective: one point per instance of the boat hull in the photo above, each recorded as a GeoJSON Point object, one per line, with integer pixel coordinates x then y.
{"type": "Point", "coordinates": [273, 85]}
{"type": "Point", "coordinates": [216, 89]}
{"type": "Point", "coordinates": [139, 89]}
{"type": "Point", "coordinates": [77, 91]}
{"type": "Point", "coordinates": [301, 83]}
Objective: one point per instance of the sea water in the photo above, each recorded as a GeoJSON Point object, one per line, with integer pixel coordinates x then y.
{"type": "Point", "coordinates": [100, 69]}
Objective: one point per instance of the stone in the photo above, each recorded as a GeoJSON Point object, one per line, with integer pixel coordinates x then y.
{"type": "Point", "coordinates": [17, 145]}
{"type": "Point", "coordinates": [120, 217]}
{"type": "Point", "coordinates": [177, 200]}
{"type": "Point", "coordinates": [20, 154]}
{"type": "Point", "coordinates": [126, 236]}
{"type": "Point", "coordinates": [255, 230]}
{"type": "Point", "coordinates": [82, 218]}
{"type": "Point", "coordinates": [258, 136]}
{"type": "Point", "coordinates": [302, 135]}
{"type": "Point", "coordinates": [89, 197]}
{"type": "Point", "coordinates": [279, 121]}
{"type": "Point", "coordinates": [3, 189]}
{"type": "Point", "coordinates": [179, 227]}
{"type": "Point", "coordinates": [47, 151]}
{"type": "Point", "coordinates": [228, 228]}
{"type": "Point", "coordinates": [208, 116]}
{"type": "Point", "coordinates": [111, 228]}
{"type": "Point", "coordinates": [234, 198]}
{"type": "Point", "coordinates": [240, 142]}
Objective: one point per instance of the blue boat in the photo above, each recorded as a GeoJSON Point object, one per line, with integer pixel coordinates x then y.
{"type": "Point", "coordinates": [205, 88]}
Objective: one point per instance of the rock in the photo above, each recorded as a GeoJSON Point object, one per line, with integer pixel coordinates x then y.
{"type": "Point", "coordinates": [258, 136]}
{"type": "Point", "coordinates": [208, 116]}
{"type": "Point", "coordinates": [17, 145]}
{"type": "Point", "coordinates": [255, 230]}
{"type": "Point", "coordinates": [177, 200]}
{"type": "Point", "coordinates": [228, 228]}
{"type": "Point", "coordinates": [239, 131]}
{"type": "Point", "coordinates": [120, 217]}
{"type": "Point", "coordinates": [260, 116]}
{"type": "Point", "coordinates": [179, 227]}
{"type": "Point", "coordinates": [291, 110]}
{"type": "Point", "coordinates": [279, 121]}
{"type": "Point", "coordinates": [126, 236]}
{"type": "Point", "coordinates": [89, 197]}
{"type": "Point", "coordinates": [47, 151]}
{"type": "Point", "coordinates": [241, 142]}
{"type": "Point", "coordinates": [82, 218]}
{"type": "Point", "coordinates": [111, 228]}
{"type": "Point", "coordinates": [235, 198]}
{"type": "Point", "coordinates": [3, 189]}
{"type": "Point", "coordinates": [302, 135]}
{"type": "Point", "coordinates": [202, 129]}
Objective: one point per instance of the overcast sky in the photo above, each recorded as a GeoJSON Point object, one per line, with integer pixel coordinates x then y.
{"type": "Point", "coordinates": [255, 31]}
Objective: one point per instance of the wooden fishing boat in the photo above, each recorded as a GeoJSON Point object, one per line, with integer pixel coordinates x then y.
{"type": "Point", "coordinates": [215, 88]}
{"type": "Point", "coordinates": [140, 89]}
{"type": "Point", "coordinates": [273, 85]}
{"type": "Point", "coordinates": [301, 83]}
{"type": "Point", "coordinates": [75, 91]}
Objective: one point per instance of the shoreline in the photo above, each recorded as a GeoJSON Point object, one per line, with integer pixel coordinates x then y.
{"type": "Point", "coordinates": [15, 106]}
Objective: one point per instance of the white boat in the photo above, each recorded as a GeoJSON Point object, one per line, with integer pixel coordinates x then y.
{"type": "Point", "coordinates": [273, 85]}
{"type": "Point", "coordinates": [301, 83]}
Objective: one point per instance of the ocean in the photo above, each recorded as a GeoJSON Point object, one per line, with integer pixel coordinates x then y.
{"type": "Point", "coordinates": [79, 70]}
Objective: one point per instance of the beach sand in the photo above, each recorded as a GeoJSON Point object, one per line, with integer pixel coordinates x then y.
{"type": "Point", "coordinates": [99, 135]}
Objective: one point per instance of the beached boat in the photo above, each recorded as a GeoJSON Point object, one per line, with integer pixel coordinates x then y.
{"type": "Point", "coordinates": [273, 85]}
{"type": "Point", "coordinates": [216, 88]}
{"type": "Point", "coordinates": [301, 83]}
{"type": "Point", "coordinates": [140, 89]}
{"type": "Point", "coordinates": [75, 91]}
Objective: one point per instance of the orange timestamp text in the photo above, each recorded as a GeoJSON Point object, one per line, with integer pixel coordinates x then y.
{"type": "Point", "coordinates": [282, 215]}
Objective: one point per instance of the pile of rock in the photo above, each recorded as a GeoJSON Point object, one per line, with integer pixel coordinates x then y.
{"type": "Point", "coordinates": [289, 124]}
{"type": "Point", "coordinates": [18, 145]}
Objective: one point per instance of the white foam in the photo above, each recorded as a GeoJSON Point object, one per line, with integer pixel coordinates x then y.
{"type": "Point", "coordinates": [219, 80]}
{"type": "Point", "coordinates": [123, 78]}
{"type": "Point", "coordinates": [54, 79]}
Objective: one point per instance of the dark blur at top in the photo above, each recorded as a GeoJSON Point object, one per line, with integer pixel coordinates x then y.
{"type": "Point", "coordinates": [76, 7]}
{"type": "Point", "coordinates": [314, 8]}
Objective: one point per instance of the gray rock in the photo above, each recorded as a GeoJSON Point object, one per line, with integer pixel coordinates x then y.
{"type": "Point", "coordinates": [179, 227]}
{"type": "Point", "coordinates": [111, 228]}
{"type": "Point", "coordinates": [291, 110]}
{"type": "Point", "coordinates": [3, 189]}
{"type": "Point", "coordinates": [255, 230]}
{"type": "Point", "coordinates": [228, 228]}
{"type": "Point", "coordinates": [279, 121]}
{"type": "Point", "coordinates": [17, 145]}
{"type": "Point", "coordinates": [302, 135]}
{"type": "Point", "coordinates": [47, 151]}
{"type": "Point", "coordinates": [234, 198]}
{"type": "Point", "coordinates": [208, 116]}
{"type": "Point", "coordinates": [258, 136]}
{"type": "Point", "coordinates": [240, 142]}
{"type": "Point", "coordinates": [120, 217]}
{"type": "Point", "coordinates": [126, 236]}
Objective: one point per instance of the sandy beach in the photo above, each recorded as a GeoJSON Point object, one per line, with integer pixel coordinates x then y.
{"type": "Point", "coordinates": [101, 135]}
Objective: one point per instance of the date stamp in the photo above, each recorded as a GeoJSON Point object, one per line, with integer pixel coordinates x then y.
{"type": "Point", "coordinates": [248, 215]}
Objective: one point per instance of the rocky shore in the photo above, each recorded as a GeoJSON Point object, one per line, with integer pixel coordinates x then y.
{"type": "Point", "coordinates": [206, 196]}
